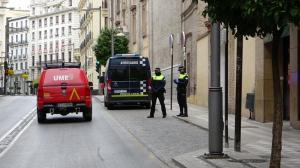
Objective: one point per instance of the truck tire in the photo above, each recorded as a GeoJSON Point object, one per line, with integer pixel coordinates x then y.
{"type": "Point", "coordinates": [41, 116]}
{"type": "Point", "coordinates": [87, 114]}
{"type": "Point", "coordinates": [109, 106]}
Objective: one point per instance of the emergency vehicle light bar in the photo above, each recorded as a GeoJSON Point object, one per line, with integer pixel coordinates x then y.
{"type": "Point", "coordinates": [62, 65]}
{"type": "Point", "coordinates": [126, 55]}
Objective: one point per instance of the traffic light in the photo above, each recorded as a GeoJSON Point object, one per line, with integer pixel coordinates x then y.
{"type": "Point", "coordinates": [5, 65]}
{"type": "Point", "coordinates": [97, 66]}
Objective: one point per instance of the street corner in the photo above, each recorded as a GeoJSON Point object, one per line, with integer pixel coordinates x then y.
{"type": "Point", "coordinates": [230, 159]}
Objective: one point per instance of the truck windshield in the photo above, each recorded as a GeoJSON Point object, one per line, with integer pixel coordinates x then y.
{"type": "Point", "coordinates": [128, 73]}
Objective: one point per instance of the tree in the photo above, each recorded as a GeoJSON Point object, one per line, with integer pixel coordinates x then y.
{"type": "Point", "coordinates": [260, 18]}
{"type": "Point", "coordinates": [103, 47]}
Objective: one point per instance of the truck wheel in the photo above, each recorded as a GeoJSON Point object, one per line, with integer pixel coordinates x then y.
{"type": "Point", "coordinates": [105, 104]}
{"type": "Point", "coordinates": [109, 106]}
{"type": "Point", "coordinates": [41, 116]}
{"type": "Point", "coordinates": [87, 114]}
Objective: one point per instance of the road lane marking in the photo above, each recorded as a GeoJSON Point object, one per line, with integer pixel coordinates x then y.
{"type": "Point", "coordinates": [11, 136]}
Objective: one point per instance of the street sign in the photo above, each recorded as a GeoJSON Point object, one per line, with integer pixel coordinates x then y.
{"type": "Point", "coordinates": [171, 40]}
{"type": "Point", "coordinates": [183, 39]}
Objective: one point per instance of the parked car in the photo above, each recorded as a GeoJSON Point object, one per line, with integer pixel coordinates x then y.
{"type": "Point", "coordinates": [63, 89]}
{"type": "Point", "coordinates": [127, 81]}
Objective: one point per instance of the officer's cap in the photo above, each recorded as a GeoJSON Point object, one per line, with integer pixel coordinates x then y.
{"type": "Point", "coordinates": [181, 68]}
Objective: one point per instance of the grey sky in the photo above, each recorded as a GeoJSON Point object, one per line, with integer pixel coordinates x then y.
{"type": "Point", "coordinates": [19, 4]}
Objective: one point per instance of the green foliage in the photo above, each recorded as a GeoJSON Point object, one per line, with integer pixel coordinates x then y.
{"type": "Point", "coordinates": [254, 17]}
{"type": "Point", "coordinates": [103, 47]}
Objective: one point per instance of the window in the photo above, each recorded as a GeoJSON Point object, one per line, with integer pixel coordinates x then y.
{"type": "Point", "coordinates": [17, 66]}
{"type": "Point", "coordinates": [63, 31]}
{"type": "Point", "coordinates": [133, 26]}
{"type": "Point", "coordinates": [70, 2]}
{"type": "Point", "coordinates": [21, 24]}
{"type": "Point", "coordinates": [33, 24]}
{"type": "Point", "coordinates": [45, 47]}
{"type": "Point", "coordinates": [33, 36]}
{"type": "Point", "coordinates": [26, 51]}
{"type": "Point", "coordinates": [51, 58]}
{"type": "Point", "coordinates": [21, 66]}
{"type": "Point", "coordinates": [62, 45]}
{"type": "Point", "coordinates": [33, 11]}
{"type": "Point", "coordinates": [56, 19]}
{"type": "Point", "coordinates": [40, 23]}
{"type": "Point", "coordinates": [21, 38]}
{"type": "Point", "coordinates": [40, 35]}
{"type": "Point", "coordinates": [51, 33]}
{"type": "Point", "coordinates": [62, 18]}
{"type": "Point", "coordinates": [118, 6]}
{"type": "Point", "coordinates": [16, 24]}
{"type": "Point", "coordinates": [51, 21]}
{"type": "Point", "coordinates": [56, 55]}
{"type": "Point", "coordinates": [106, 21]}
{"type": "Point", "coordinates": [45, 22]}
{"type": "Point", "coordinates": [11, 39]}
{"type": "Point", "coordinates": [32, 60]}
{"type": "Point", "coordinates": [40, 48]}
{"type": "Point", "coordinates": [70, 30]}
{"type": "Point", "coordinates": [63, 56]}
{"type": "Point", "coordinates": [70, 56]}
{"type": "Point", "coordinates": [26, 65]}
{"type": "Point", "coordinates": [26, 25]}
{"type": "Point", "coordinates": [26, 37]}
{"type": "Point", "coordinates": [56, 45]}
{"type": "Point", "coordinates": [40, 59]}
{"type": "Point", "coordinates": [17, 40]}
{"type": "Point", "coordinates": [56, 32]}
{"type": "Point", "coordinates": [45, 58]}
{"type": "Point", "coordinates": [70, 17]}
{"type": "Point", "coordinates": [45, 34]}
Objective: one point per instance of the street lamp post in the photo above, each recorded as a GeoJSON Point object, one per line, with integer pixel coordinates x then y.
{"type": "Point", "coordinates": [112, 28]}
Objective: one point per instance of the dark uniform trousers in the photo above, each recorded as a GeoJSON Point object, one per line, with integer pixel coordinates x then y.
{"type": "Point", "coordinates": [161, 98]}
{"type": "Point", "coordinates": [181, 98]}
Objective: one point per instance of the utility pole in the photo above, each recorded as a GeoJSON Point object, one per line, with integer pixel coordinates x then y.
{"type": "Point", "coordinates": [112, 28]}
{"type": "Point", "coordinates": [226, 90]}
{"type": "Point", "coordinates": [6, 53]}
{"type": "Point", "coordinates": [215, 99]}
{"type": "Point", "coordinates": [171, 43]}
{"type": "Point", "coordinates": [238, 94]}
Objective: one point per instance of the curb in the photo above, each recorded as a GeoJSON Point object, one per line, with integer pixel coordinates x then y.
{"type": "Point", "coordinates": [178, 164]}
{"type": "Point", "coordinates": [189, 122]}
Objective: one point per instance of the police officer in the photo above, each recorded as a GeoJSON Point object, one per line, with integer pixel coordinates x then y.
{"type": "Point", "coordinates": [158, 90]}
{"type": "Point", "coordinates": [182, 82]}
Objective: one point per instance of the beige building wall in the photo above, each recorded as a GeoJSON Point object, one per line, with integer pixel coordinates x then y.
{"type": "Point", "coordinates": [249, 52]}
{"type": "Point", "coordinates": [203, 61]}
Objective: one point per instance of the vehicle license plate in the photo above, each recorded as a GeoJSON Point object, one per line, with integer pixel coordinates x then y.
{"type": "Point", "coordinates": [64, 105]}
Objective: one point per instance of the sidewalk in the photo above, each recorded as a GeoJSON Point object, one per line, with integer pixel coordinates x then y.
{"type": "Point", "coordinates": [256, 141]}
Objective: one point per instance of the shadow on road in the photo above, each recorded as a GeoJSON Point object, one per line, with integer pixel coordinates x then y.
{"type": "Point", "coordinates": [64, 120]}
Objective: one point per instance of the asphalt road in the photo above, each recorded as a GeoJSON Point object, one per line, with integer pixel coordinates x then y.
{"type": "Point", "coordinates": [13, 109]}
{"type": "Point", "coordinates": [70, 142]}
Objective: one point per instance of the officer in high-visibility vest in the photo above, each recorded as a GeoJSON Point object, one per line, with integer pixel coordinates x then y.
{"type": "Point", "coordinates": [182, 83]}
{"type": "Point", "coordinates": [158, 90]}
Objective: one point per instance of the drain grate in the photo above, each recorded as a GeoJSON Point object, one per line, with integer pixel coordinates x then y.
{"type": "Point", "coordinates": [247, 160]}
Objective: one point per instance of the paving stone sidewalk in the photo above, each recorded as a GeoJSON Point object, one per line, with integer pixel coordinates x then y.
{"type": "Point", "coordinates": [256, 143]}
